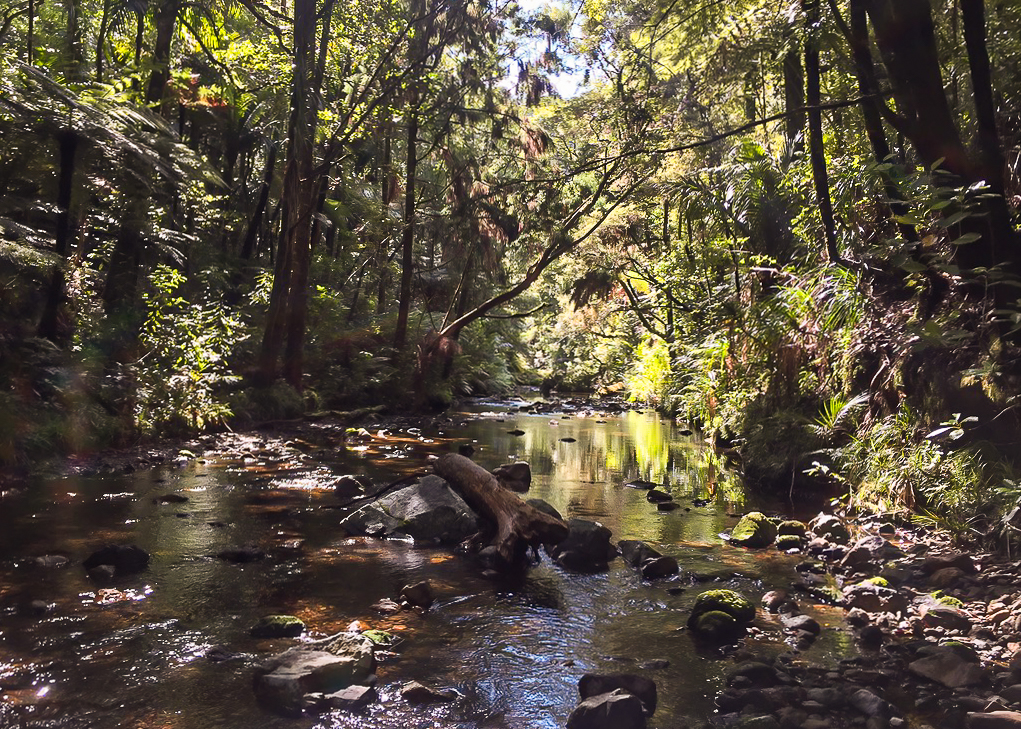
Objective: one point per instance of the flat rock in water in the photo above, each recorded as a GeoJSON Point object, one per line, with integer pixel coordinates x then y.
{"type": "Point", "coordinates": [657, 497]}
{"type": "Point", "coordinates": [635, 552]}
{"type": "Point", "coordinates": [418, 693]}
{"type": "Point", "coordinates": [594, 684]}
{"type": "Point", "coordinates": [51, 561]}
{"type": "Point", "coordinates": [282, 682]}
{"type": "Point", "coordinates": [615, 710]}
{"type": "Point", "coordinates": [352, 698]}
{"type": "Point", "coordinates": [545, 507]}
{"type": "Point", "coordinates": [241, 555]}
{"type": "Point", "coordinates": [427, 511]}
{"type": "Point", "coordinates": [124, 558]}
{"type": "Point", "coordinates": [514, 476]}
{"type": "Point", "coordinates": [277, 626]}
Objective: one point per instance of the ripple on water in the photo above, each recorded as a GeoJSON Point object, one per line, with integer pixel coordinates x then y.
{"type": "Point", "coordinates": [514, 648]}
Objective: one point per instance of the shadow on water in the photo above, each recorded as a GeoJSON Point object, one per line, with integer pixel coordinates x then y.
{"type": "Point", "coordinates": [134, 654]}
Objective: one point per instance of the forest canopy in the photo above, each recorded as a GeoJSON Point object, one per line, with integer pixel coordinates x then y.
{"type": "Point", "coordinates": [794, 224]}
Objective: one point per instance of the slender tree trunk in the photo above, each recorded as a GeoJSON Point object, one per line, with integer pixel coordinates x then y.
{"type": "Point", "coordinates": [55, 321]}
{"type": "Point", "coordinates": [991, 158]}
{"type": "Point", "coordinates": [794, 98]}
{"type": "Point", "coordinates": [139, 36]}
{"type": "Point", "coordinates": [248, 247]}
{"type": "Point", "coordinates": [408, 234]}
{"type": "Point", "coordinates": [30, 35]}
{"type": "Point", "coordinates": [104, 24]}
{"type": "Point", "coordinates": [816, 151]}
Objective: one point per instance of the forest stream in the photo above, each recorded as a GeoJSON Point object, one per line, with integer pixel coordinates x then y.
{"type": "Point", "coordinates": [170, 647]}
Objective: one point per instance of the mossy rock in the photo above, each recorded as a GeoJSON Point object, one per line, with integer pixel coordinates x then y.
{"type": "Point", "coordinates": [732, 603]}
{"type": "Point", "coordinates": [717, 626]}
{"type": "Point", "coordinates": [947, 600]}
{"type": "Point", "coordinates": [788, 541]}
{"type": "Point", "coordinates": [754, 530]}
{"type": "Point", "coordinates": [382, 638]}
{"type": "Point", "coordinates": [278, 626]}
{"type": "Point", "coordinates": [878, 581]}
{"type": "Point", "coordinates": [792, 527]}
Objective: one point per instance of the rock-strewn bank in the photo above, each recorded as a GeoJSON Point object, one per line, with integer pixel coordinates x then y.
{"type": "Point", "coordinates": [938, 632]}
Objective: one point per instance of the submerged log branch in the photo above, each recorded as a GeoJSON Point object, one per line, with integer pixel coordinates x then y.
{"type": "Point", "coordinates": [518, 525]}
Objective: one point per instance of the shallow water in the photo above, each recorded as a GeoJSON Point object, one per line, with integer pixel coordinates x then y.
{"type": "Point", "coordinates": [133, 655]}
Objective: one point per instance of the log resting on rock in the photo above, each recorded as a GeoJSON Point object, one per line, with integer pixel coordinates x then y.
{"type": "Point", "coordinates": [518, 525]}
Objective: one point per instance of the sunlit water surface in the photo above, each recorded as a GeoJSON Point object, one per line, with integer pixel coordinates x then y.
{"type": "Point", "coordinates": [134, 654]}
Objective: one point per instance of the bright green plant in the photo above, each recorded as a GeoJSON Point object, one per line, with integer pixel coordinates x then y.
{"type": "Point", "coordinates": [186, 347]}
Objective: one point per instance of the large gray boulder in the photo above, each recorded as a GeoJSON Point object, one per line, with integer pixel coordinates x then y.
{"type": "Point", "coordinates": [427, 511]}
{"type": "Point", "coordinates": [282, 682]}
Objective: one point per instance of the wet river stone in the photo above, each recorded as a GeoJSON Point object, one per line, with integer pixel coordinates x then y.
{"type": "Point", "coordinates": [586, 548]}
{"type": "Point", "coordinates": [514, 476]}
{"type": "Point", "coordinates": [282, 682]}
{"type": "Point", "coordinates": [594, 684]}
{"type": "Point", "coordinates": [428, 511]}
{"type": "Point", "coordinates": [277, 626]}
{"type": "Point", "coordinates": [123, 558]}
{"type": "Point", "coordinates": [753, 530]}
{"type": "Point", "coordinates": [615, 710]}
{"type": "Point", "coordinates": [720, 615]}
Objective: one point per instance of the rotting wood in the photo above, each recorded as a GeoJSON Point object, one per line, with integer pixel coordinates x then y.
{"type": "Point", "coordinates": [518, 525]}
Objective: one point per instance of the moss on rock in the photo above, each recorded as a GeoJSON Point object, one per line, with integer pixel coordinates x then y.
{"type": "Point", "coordinates": [278, 626]}
{"type": "Point", "coordinates": [717, 625]}
{"type": "Point", "coordinates": [754, 530]}
{"type": "Point", "coordinates": [726, 601]}
{"type": "Point", "coordinates": [788, 541]}
{"type": "Point", "coordinates": [792, 527]}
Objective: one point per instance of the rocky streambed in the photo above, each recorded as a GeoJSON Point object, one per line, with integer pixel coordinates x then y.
{"type": "Point", "coordinates": [256, 607]}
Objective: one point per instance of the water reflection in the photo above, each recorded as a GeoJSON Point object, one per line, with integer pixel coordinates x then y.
{"type": "Point", "coordinates": [133, 653]}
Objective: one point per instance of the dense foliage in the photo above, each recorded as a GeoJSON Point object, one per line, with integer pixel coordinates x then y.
{"type": "Point", "coordinates": [794, 224]}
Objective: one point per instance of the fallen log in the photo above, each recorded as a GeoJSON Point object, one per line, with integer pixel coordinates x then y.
{"type": "Point", "coordinates": [518, 525]}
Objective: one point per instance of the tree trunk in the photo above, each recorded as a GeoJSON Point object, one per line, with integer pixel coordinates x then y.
{"type": "Point", "coordinates": [165, 20]}
{"type": "Point", "coordinates": [288, 299]}
{"type": "Point", "coordinates": [55, 323]}
{"type": "Point", "coordinates": [992, 162]}
{"type": "Point", "coordinates": [30, 35]}
{"type": "Point", "coordinates": [518, 525]}
{"type": "Point", "coordinates": [868, 88]}
{"type": "Point", "coordinates": [248, 247]}
{"type": "Point", "coordinates": [408, 236]}
{"type": "Point", "coordinates": [816, 151]}
{"type": "Point", "coordinates": [794, 98]}
{"type": "Point", "coordinates": [906, 38]}
{"type": "Point", "coordinates": [104, 25]}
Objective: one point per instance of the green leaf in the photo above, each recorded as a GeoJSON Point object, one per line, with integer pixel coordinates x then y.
{"type": "Point", "coordinates": [965, 239]}
{"type": "Point", "coordinates": [953, 219]}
